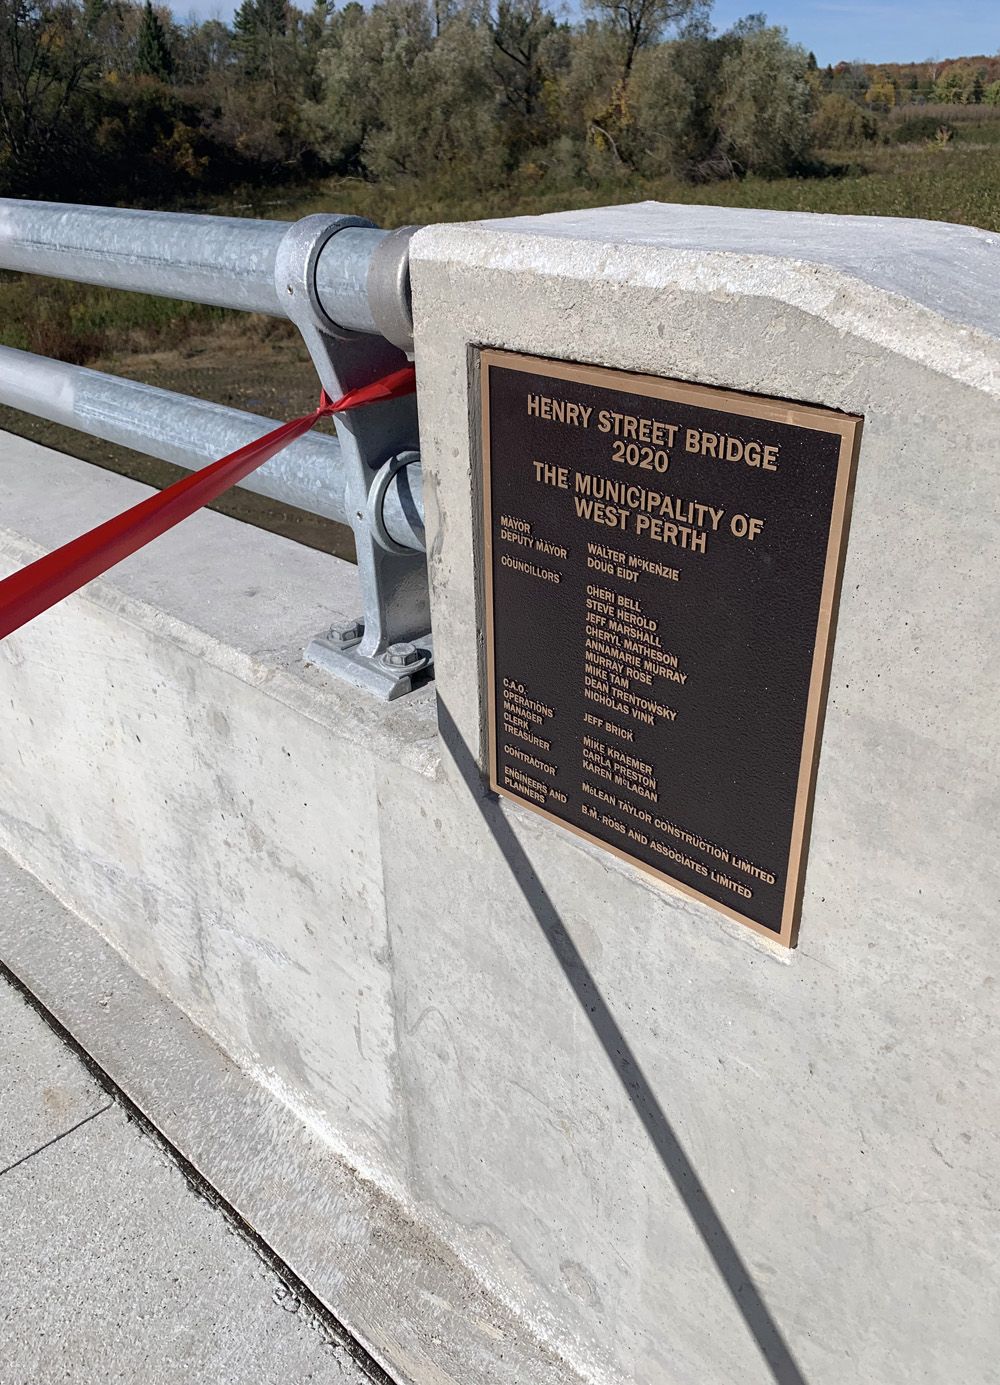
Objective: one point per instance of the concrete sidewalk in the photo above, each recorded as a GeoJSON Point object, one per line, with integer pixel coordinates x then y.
{"type": "Point", "coordinates": [112, 1267]}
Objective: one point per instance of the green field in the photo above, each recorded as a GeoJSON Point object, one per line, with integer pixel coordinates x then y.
{"type": "Point", "coordinates": [958, 181]}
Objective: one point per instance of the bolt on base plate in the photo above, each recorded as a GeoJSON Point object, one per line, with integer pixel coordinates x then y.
{"type": "Point", "coordinates": [401, 669]}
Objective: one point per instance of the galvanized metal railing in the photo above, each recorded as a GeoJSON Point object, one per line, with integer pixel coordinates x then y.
{"type": "Point", "coordinates": [345, 285]}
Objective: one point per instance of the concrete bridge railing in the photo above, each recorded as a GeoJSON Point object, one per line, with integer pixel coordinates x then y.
{"type": "Point", "coordinates": [518, 1109]}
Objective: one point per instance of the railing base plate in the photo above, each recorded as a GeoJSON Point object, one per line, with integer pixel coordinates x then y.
{"type": "Point", "coordinates": [372, 674]}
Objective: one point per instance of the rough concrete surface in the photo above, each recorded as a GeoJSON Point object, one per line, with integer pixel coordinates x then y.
{"type": "Point", "coordinates": [950, 270]}
{"type": "Point", "coordinates": [62, 1093]}
{"type": "Point", "coordinates": [112, 1268]}
{"type": "Point", "coordinates": [606, 1134]}
{"type": "Point", "coordinates": [399, 1288]}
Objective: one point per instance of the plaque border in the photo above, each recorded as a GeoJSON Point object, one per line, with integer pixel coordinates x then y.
{"type": "Point", "coordinates": [816, 417]}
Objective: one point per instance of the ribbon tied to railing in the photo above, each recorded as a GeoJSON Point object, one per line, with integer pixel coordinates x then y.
{"type": "Point", "coordinates": [28, 592]}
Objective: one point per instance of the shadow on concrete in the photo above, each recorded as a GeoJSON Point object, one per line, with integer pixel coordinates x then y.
{"type": "Point", "coordinates": [689, 1187]}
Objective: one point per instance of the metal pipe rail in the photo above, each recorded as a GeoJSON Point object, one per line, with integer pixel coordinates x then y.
{"type": "Point", "coordinates": [194, 432]}
{"type": "Point", "coordinates": [226, 261]}
{"type": "Point", "coordinates": [345, 285]}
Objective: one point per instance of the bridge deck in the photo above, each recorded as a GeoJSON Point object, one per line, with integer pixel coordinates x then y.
{"type": "Point", "coordinates": [115, 1266]}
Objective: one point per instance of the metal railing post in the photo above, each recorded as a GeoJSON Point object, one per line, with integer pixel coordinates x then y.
{"type": "Point", "coordinates": [345, 285]}
{"type": "Point", "coordinates": [393, 580]}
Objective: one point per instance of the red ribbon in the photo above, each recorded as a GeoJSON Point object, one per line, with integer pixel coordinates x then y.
{"type": "Point", "coordinates": [32, 590]}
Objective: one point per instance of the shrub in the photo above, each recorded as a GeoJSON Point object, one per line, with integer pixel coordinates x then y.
{"type": "Point", "coordinates": [918, 129]}
{"type": "Point", "coordinates": [840, 123]}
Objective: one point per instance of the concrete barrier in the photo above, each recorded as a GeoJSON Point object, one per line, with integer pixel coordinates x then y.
{"type": "Point", "coordinates": [625, 1139]}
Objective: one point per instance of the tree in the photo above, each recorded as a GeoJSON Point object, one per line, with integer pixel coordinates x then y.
{"type": "Point", "coordinates": [851, 80]}
{"type": "Point", "coordinates": [955, 86]}
{"type": "Point", "coordinates": [668, 133]}
{"type": "Point", "coordinates": [48, 59]}
{"type": "Point", "coordinates": [522, 31]}
{"type": "Point", "coordinates": [153, 58]}
{"type": "Point", "coordinates": [398, 102]}
{"type": "Point", "coordinates": [673, 95]}
{"type": "Point", "coordinates": [840, 123]}
{"type": "Point", "coordinates": [639, 23]}
{"type": "Point", "coordinates": [766, 104]}
{"type": "Point", "coordinates": [584, 92]}
{"type": "Point", "coordinates": [262, 113]}
{"type": "Point", "coordinates": [881, 95]}
{"type": "Point", "coordinates": [258, 28]}
{"type": "Point", "coordinates": [204, 56]}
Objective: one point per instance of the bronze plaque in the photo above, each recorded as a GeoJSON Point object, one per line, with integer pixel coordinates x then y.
{"type": "Point", "coordinates": [662, 570]}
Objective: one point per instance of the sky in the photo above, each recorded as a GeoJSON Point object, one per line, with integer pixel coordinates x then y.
{"type": "Point", "coordinates": [835, 30]}
{"type": "Point", "coordinates": [895, 31]}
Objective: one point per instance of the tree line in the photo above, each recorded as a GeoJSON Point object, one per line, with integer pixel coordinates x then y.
{"type": "Point", "coordinates": [955, 82]}
{"type": "Point", "coordinates": [109, 100]}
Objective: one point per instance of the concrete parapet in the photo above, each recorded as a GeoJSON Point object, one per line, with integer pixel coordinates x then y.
{"type": "Point", "coordinates": [828, 1101]}
{"type": "Point", "coordinates": [638, 1143]}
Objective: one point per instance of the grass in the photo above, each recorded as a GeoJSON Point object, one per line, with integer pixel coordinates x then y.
{"type": "Point", "coordinates": [78, 322]}
{"type": "Point", "coordinates": [958, 182]}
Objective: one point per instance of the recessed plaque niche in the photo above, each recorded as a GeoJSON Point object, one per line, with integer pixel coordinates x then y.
{"type": "Point", "coordinates": [662, 565]}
